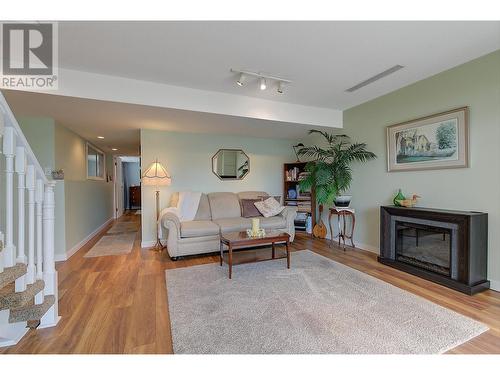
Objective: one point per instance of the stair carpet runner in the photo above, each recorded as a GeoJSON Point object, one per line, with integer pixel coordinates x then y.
{"type": "Point", "coordinates": [22, 304]}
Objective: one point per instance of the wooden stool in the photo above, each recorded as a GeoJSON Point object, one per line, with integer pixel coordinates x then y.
{"type": "Point", "coordinates": [341, 219]}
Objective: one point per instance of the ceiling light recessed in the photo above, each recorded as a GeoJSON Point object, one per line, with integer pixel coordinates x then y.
{"type": "Point", "coordinates": [241, 80]}
{"type": "Point", "coordinates": [263, 84]}
{"type": "Point", "coordinates": [376, 77]}
{"type": "Point", "coordinates": [100, 137]}
{"type": "Point", "coordinates": [114, 149]}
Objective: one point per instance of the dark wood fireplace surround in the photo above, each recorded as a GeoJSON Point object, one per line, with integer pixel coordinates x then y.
{"type": "Point", "coordinates": [469, 258]}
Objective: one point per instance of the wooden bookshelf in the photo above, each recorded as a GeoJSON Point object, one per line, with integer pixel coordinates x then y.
{"type": "Point", "coordinates": [305, 204]}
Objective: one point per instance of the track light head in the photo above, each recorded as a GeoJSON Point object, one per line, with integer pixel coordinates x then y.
{"type": "Point", "coordinates": [280, 87]}
{"type": "Point", "coordinates": [241, 80]}
{"type": "Point", "coordinates": [263, 83]}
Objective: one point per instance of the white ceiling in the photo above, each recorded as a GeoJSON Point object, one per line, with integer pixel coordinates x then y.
{"type": "Point", "coordinates": [322, 58]}
{"type": "Point", "coordinates": [120, 123]}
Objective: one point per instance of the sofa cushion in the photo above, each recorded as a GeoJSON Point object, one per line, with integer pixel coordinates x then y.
{"type": "Point", "coordinates": [203, 212]}
{"type": "Point", "coordinates": [224, 205]}
{"type": "Point", "coordinates": [274, 222]}
{"type": "Point", "coordinates": [234, 224]}
{"type": "Point", "coordinates": [248, 208]}
{"type": "Point", "coordinates": [198, 228]}
{"type": "Point", "coordinates": [269, 207]}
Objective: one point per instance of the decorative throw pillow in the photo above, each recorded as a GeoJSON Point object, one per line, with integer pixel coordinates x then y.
{"type": "Point", "coordinates": [269, 207]}
{"type": "Point", "coordinates": [248, 208]}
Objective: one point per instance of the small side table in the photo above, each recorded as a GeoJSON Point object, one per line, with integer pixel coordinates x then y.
{"type": "Point", "coordinates": [341, 214]}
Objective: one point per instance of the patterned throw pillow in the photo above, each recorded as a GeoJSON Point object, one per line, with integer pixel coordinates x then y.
{"type": "Point", "coordinates": [248, 208]}
{"type": "Point", "coordinates": [269, 207]}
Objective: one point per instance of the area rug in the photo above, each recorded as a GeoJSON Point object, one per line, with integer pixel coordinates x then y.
{"type": "Point", "coordinates": [138, 212]}
{"type": "Point", "coordinates": [117, 244]}
{"type": "Point", "coordinates": [124, 226]}
{"type": "Point", "coordinates": [317, 306]}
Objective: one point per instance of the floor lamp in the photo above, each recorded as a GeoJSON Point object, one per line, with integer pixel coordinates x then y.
{"type": "Point", "coordinates": [156, 175]}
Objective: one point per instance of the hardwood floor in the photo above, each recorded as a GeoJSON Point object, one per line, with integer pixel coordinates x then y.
{"type": "Point", "coordinates": [118, 304]}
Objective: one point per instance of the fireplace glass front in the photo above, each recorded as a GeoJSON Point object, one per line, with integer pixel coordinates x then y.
{"type": "Point", "coordinates": [424, 246]}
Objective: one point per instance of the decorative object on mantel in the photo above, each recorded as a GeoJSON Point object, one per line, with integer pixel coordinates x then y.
{"type": "Point", "coordinates": [401, 201]}
{"type": "Point", "coordinates": [399, 197]}
{"type": "Point", "coordinates": [433, 142]}
{"type": "Point", "coordinates": [409, 202]}
{"type": "Point", "coordinates": [295, 150]}
{"type": "Point", "coordinates": [58, 174]}
{"type": "Point", "coordinates": [156, 175]}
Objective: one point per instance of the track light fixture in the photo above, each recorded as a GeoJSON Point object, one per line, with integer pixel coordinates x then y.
{"type": "Point", "coordinates": [241, 80]}
{"type": "Point", "coordinates": [280, 87]}
{"type": "Point", "coordinates": [262, 79]}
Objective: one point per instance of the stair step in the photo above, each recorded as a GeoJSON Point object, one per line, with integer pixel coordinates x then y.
{"type": "Point", "coordinates": [31, 311]}
{"type": "Point", "coordinates": [10, 274]}
{"type": "Point", "coordinates": [9, 299]}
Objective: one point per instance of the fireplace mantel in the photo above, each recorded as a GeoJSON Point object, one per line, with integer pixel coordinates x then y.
{"type": "Point", "coordinates": [464, 235]}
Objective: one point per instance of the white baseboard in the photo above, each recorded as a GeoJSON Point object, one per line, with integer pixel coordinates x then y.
{"type": "Point", "coordinates": [146, 244]}
{"type": "Point", "coordinates": [495, 285]}
{"type": "Point", "coordinates": [79, 245]}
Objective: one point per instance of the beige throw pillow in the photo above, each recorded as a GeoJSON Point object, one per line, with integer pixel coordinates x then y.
{"type": "Point", "coordinates": [269, 207]}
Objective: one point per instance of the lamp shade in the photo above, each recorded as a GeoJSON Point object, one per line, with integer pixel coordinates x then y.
{"type": "Point", "coordinates": [156, 174]}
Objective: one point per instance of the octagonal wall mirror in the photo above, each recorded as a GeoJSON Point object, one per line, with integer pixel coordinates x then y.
{"type": "Point", "coordinates": [230, 164]}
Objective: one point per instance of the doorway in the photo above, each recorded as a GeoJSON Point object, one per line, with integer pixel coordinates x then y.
{"type": "Point", "coordinates": [127, 184]}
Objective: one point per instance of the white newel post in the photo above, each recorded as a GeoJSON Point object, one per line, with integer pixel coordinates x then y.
{"type": "Point", "coordinates": [2, 239]}
{"type": "Point", "coordinates": [49, 269]}
{"type": "Point", "coordinates": [9, 144]}
{"type": "Point", "coordinates": [30, 185]}
{"type": "Point", "coordinates": [39, 236]}
{"type": "Point", "coordinates": [20, 167]}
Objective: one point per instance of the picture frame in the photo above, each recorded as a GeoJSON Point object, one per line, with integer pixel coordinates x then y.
{"type": "Point", "coordinates": [437, 141]}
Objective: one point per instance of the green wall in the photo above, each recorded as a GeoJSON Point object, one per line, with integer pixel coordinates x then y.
{"type": "Point", "coordinates": [188, 158]}
{"type": "Point", "coordinates": [82, 205]}
{"type": "Point", "coordinates": [88, 203]}
{"type": "Point", "coordinates": [475, 84]}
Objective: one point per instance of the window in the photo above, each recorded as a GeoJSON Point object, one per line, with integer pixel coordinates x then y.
{"type": "Point", "coordinates": [95, 163]}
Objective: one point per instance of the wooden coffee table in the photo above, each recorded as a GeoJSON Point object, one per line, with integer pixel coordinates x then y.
{"type": "Point", "coordinates": [240, 240]}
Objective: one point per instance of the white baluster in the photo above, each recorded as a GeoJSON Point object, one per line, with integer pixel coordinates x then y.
{"type": "Point", "coordinates": [30, 185]}
{"type": "Point", "coordinates": [20, 166]}
{"type": "Point", "coordinates": [9, 142]}
{"type": "Point", "coordinates": [49, 270]}
{"type": "Point", "coordinates": [48, 238]}
{"type": "Point", "coordinates": [39, 236]}
{"type": "Point", "coordinates": [2, 239]}
{"type": "Point", "coordinates": [1, 249]}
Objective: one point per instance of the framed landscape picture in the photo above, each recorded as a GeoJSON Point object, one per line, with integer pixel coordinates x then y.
{"type": "Point", "coordinates": [434, 142]}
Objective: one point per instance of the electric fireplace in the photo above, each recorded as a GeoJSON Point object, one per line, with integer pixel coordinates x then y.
{"type": "Point", "coordinates": [447, 247]}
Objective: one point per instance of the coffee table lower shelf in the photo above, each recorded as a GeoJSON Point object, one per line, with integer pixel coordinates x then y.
{"type": "Point", "coordinates": [240, 240]}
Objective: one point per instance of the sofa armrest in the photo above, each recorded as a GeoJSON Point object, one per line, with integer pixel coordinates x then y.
{"type": "Point", "coordinates": [289, 213]}
{"type": "Point", "coordinates": [171, 222]}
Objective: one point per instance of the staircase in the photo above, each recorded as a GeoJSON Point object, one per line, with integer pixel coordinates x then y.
{"type": "Point", "coordinates": [28, 278]}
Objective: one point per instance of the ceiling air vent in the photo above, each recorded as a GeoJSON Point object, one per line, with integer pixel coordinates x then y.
{"type": "Point", "coordinates": [376, 77]}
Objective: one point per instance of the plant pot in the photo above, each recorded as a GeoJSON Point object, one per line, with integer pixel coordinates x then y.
{"type": "Point", "coordinates": [343, 201]}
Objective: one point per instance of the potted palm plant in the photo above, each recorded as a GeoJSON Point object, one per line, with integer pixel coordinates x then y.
{"type": "Point", "coordinates": [329, 170]}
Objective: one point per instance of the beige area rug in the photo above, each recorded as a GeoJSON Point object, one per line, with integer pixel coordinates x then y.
{"type": "Point", "coordinates": [124, 226]}
{"type": "Point", "coordinates": [318, 306]}
{"type": "Point", "coordinates": [116, 244]}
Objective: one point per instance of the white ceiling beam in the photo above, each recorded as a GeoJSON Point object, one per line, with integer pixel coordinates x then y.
{"type": "Point", "coordinates": [124, 90]}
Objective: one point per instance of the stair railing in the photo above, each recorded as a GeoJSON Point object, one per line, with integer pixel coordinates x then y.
{"type": "Point", "coordinates": [29, 239]}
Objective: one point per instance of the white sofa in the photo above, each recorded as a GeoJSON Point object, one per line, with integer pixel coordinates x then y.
{"type": "Point", "coordinates": [217, 212]}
